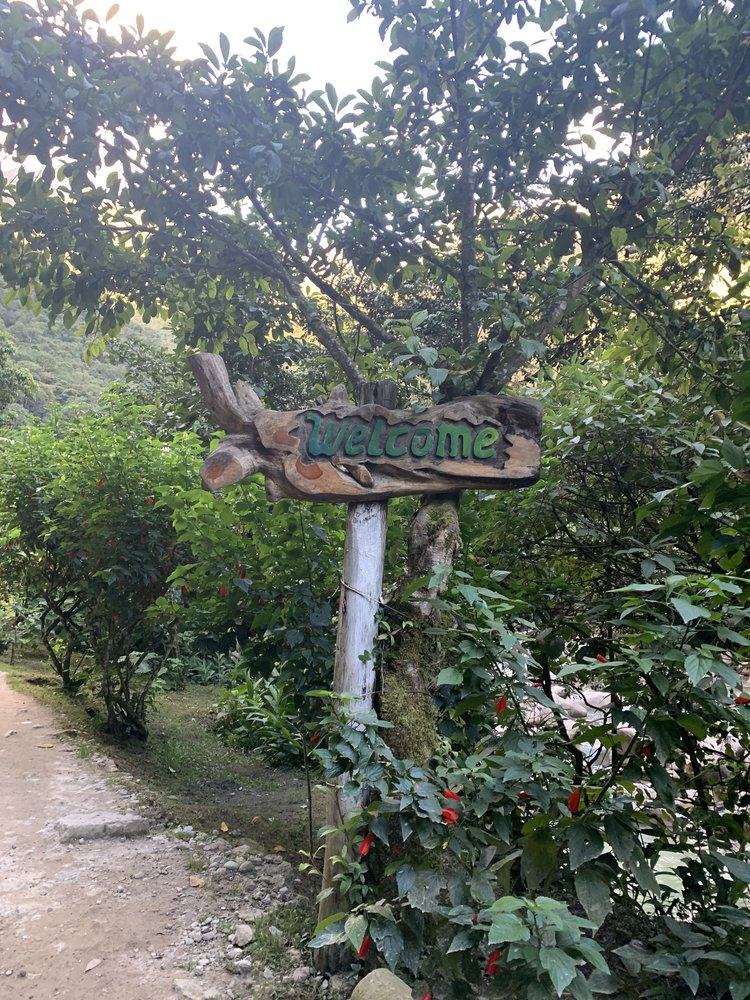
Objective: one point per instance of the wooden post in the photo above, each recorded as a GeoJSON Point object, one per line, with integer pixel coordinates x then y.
{"type": "Point", "coordinates": [354, 667]}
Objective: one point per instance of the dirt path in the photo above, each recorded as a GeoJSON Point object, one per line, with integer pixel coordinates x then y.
{"type": "Point", "coordinates": [126, 904]}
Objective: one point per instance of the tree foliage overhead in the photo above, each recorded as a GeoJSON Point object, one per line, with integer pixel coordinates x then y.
{"type": "Point", "coordinates": [528, 157]}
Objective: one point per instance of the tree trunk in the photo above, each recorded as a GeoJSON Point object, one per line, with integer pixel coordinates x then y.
{"type": "Point", "coordinates": [414, 661]}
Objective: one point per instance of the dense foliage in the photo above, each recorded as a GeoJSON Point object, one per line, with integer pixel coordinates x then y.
{"type": "Point", "coordinates": [550, 195]}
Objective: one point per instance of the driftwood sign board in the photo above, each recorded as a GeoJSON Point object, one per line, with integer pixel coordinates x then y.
{"type": "Point", "coordinates": [340, 453]}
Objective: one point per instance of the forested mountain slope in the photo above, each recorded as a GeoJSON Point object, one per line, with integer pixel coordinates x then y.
{"type": "Point", "coordinates": [54, 358]}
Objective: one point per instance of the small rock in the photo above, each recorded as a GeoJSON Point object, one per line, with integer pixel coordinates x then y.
{"type": "Point", "coordinates": [250, 915]}
{"type": "Point", "coordinates": [243, 935]}
{"type": "Point", "coordinates": [95, 826]}
{"type": "Point", "coordinates": [93, 964]}
{"type": "Point", "coordinates": [379, 985]}
{"type": "Point", "coordinates": [231, 866]}
{"type": "Point", "coordinates": [268, 973]}
{"type": "Point", "coordinates": [275, 932]}
{"type": "Point", "coordinates": [234, 953]}
{"type": "Point", "coordinates": [302, 974]}
{"type": "Point", "coordinates": [11, 732]}
{"type": "Point", "coordinates": [245, 867]}
{"type": "Point", "coordinates": [243, 966]}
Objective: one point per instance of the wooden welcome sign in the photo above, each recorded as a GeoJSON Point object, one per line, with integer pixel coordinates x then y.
{"type": "Point", "coordinates": [341, 453]}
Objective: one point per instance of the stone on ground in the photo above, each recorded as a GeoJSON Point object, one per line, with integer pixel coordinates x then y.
{"type": "Point", "coordinates": [381, 985]}
{"type": "Point", "coordinates": [95, 826]}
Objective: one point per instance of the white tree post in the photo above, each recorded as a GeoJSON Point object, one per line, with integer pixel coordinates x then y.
{"type": "Point", "coordinates": [354, 672]}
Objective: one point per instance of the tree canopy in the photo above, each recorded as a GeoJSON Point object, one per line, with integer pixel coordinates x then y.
{"type": "Point", "coordinates": [532, 160]}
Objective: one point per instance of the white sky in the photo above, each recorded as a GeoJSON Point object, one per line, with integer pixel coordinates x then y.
{"type": "Point", "coordinates": [316, 32]}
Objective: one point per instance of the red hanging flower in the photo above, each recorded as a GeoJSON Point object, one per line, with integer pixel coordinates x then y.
{"type": "Point", "coordinates": [475, 918]}
{"type": "Point", "coordinates": [223, 590]}
{"type": "Point", "coordinates": [741, 700]}
{"type": "Point", "coordinates": [364, 947]}
{"type": "Point", "coordinates": [261, 601]}
{"type": "Point", "coordinates": [99, 484]}
{"type": "Point", "coordinates": [448, 794]}
{"type": "Point", "coordinates": [524, 795]}
{"type": "Point", "coordinates": [450, 816]}
{"type": "Point", "coordinates": [502, 704]}
{"type": "Point", "coordinates": [647, 752]}
{"type": "Point", "coordinates": [493, 963]}
{"type": "Point", "coordinates": [314, 737]}
{"type": "Point", "coordinates": [149, 500]}
{"type": "Point", "coordinates": [365, 845]}
{"type": "Point", "coordinates": [574, 800]}
{"type": "Point", "coordinates": [427, 996]}
{"type": "Point", "coordinates": [601, 658]}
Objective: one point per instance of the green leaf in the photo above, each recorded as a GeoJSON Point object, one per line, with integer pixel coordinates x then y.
{"type": "Point", "coordinates": [584, 843]}
{"type": "Point", "coordinates": [209, 53]}
{"type": "Point", "coordinates": [449, 675]}
{"type": "Point", "coordinates": [593, 894]}
{"type": "Point", "coordinates": [356, 929]}
{"type": "Point", "coordinates": [332, 934]}
{"type": "Point", "coordinates": [687, 611]}
{"type": "Point", "coordinates": [423, 895]}
{"type": "Point", "coordinates": [734, 455]}
{"type": "Point", "coordinates": [697, 665]}
{"type": "Point", "coordinates": [560, 967]}
{"type": "Point", "coordinates": [618, 236]}
{"type": "Point", "coordinates": [275, 39]}
{"type": "Point", "coordinates": [462, 942]}
{"type": "Point", "coordinates": [507, 927]}
{"type": "Point", "coordinates": [736, 867]}
{"type": "Point", "coordinates": [224, 46]}
{"type": "Point", "coordinates": [389, 940]}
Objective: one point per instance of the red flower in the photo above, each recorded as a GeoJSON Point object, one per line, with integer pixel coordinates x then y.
{"type": "Point", "coordinates": [524, 795]}
{"type": "Point", "coordinates": [99, 484]}
{"type": "Point", "coordinates": [647, 752]}
{"type": "Point", "coordinates": [601, 658]}
{"type": "Point", "coordinates": [366, 844]}
{"type": "Point", "coordinates": [502, 704]}
{"type": "Point", "coordinates": [115, 618]}
{"type": "Point", "coordinates": [448, 794]}
{"type": "Point", "coordinates": [243, 574]}
{"type": "Point", "coordinates": [574, 800]}
{"type": "Point", "coordinates": [223, 590]}
{"type": "Point", "coordinates": [364, 947]}
{"type": "Point", "coordinates": [261, 600]}
{"type": "Point", "coordinates": [71, 555]}
{"type": "Point", "coordinates": [475, 918]}
{"type": "Point", "coordinates": [450, 816]}
{"type": "Point", "coordinates": [741, 700]}
{"type": "Point", "coordinates": [315, 737]}
{"type": "Point", "coordinates": [396, 849]}
{"type": "Point", "coordinates": [493, 963]}
{"type": "Point", "coordinates": [427, 996]}
{"type": "Point", "coordinates": [307, 630]}
{"type": "Point", "coordinates": [149, 500]}
{"type": "Point", "coordinates": [52, 567]}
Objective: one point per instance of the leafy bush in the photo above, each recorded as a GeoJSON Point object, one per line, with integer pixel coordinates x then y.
{"type": "Point", "coordinates": [456, 872]}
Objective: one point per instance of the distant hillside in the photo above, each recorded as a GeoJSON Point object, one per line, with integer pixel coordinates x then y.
{"type": "Point", "coordinates": [54, 357]}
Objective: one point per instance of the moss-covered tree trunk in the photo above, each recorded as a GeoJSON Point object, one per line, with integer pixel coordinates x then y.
{"type": "Point", "coordinates": [412, 663]}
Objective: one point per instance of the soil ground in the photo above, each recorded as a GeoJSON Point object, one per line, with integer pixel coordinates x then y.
{"type": "Point", "coordinates": [124, 906]}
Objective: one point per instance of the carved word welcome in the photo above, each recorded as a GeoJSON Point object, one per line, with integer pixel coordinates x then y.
{"type": "Point", "coordinates": [340, 453]}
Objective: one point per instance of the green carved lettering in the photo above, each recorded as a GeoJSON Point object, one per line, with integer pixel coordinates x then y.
{"type": "Point", "coordinates": [484, 442]}
{"type": "Point", "coordinates": [422, 442]}
{"type": "Point", "coordinates": [324, 439]}
{"type": "Point", "coordinates": [393, 450]}
{"type": "Point", "coordinates": [457, 437]}
{"type": "Point", "coordinates": [375, 447]}
{"type": "Point", "coordinates": [355, 442]}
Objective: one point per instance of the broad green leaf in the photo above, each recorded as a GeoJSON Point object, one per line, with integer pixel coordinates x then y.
{"type": "Point", "coordinates": [687, 611]}
{"type": "Point", "coordinates": [584, 843]}
{"type": "Point", "coordinates": [593, 894]}
{"type": "Point", "coordinates": [618, 236]}
{"type": "Point", "coordinates": [560, 967]}
{"type": "Point", "coordinates": [507, 927]}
